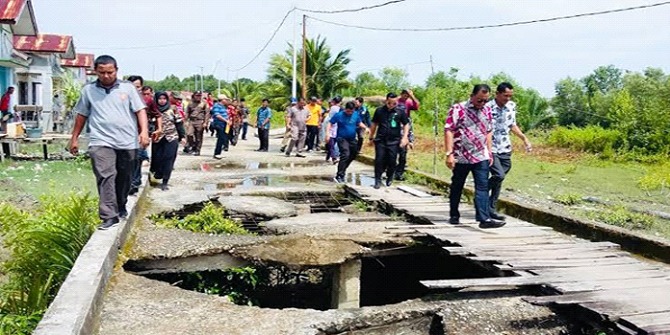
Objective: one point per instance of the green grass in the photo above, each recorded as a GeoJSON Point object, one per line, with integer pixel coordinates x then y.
{"type": "Point", "coordinates": [561, 176]}
{"type": "Point", "coordinates": [36, 178]}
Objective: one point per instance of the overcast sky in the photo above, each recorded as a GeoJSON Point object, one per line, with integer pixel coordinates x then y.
{"type": "Point", "coordinates": [536, 55]}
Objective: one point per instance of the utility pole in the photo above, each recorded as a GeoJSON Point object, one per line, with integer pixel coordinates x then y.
{"type": "Point", "coordinates": [435, 123]}
{"type": "Point", "coordinates": [304, 56]}
{"type": "Point", "coordinates": [294, 83]}
{"type": "Point", "coordinates": [202, 78]}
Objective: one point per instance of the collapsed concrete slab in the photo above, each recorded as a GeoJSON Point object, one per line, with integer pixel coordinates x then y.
{"type": "Point", "coordinates": [266, 207]}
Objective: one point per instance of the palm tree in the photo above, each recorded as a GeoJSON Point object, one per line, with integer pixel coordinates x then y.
{"type": "Point", "coordinates": [326, 75]}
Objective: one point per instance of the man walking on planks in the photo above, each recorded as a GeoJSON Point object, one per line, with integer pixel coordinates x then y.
{"type": "Point", "coordinates": [114, 111]}
{"type": "Point", "coordinates": [503, 112]}
{"type": "Point", "coordinates": [389, 132]}
{"type": "Point", "coordinates": [467, 139]}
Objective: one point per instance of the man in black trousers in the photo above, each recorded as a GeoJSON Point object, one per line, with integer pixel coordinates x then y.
{"type": "Point", "coordinates": [389, 132]}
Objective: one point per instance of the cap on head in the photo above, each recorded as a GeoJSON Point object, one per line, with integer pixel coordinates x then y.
{"type": "Point", "coordinates": [222, 97]}
{"type": "Point", "coordinates": [197, 93]}
{"type": "Point", "coordinates": [391, 95]}
{"type": "Point", "coordinates": [294, 101]}
{"type": "Point", "coordinates": [314, 99]}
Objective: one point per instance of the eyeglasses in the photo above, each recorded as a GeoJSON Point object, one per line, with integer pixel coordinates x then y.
{"type": "Point", "coordinates": [481, 100]}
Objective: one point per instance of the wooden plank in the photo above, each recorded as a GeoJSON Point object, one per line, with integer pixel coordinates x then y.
{"type": "Point", "coordinates": [483, 282]}
{"type": "Point", "coordinates": [414, 192]}
{"type": "Point", "coordinates": [630, 283]}
{"type": "Point", "coordinates": [658, 296]}
{"type": "Point", "coordinates": [581, 246]}
{"type": "Point", "coordinates": [539, 256]}
{"type": "Point", "coordinates": [557, 264]}
{"type": "Point", "coordinates": [646, 320]}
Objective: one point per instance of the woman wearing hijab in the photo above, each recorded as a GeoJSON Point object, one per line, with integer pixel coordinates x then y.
{"type": "Point", "coordinates": [164, 149]}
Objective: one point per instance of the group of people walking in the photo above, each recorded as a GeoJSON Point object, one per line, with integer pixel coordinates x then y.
{"type": "Point", "coordinates": [125, 117]}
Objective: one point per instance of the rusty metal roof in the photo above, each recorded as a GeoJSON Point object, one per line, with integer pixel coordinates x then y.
{"type": "Point", "coordinates": [47, 43]}
{"type": "Point", "coordinates": [10, 10]}
{"type": "Point", "coordinates": [20, 14]}
{"type": "Point", "coordinates": [82, 60]}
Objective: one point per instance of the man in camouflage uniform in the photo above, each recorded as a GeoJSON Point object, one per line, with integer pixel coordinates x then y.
{"type": "Point", "coordinates": [197, 114]}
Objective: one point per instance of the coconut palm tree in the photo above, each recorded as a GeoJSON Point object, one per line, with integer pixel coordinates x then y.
{"type": "Point", "coordinates": [326, 75]}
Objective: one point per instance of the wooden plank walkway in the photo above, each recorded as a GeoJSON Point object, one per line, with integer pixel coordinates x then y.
{"type": "Point", "coordinates": [631, 292]}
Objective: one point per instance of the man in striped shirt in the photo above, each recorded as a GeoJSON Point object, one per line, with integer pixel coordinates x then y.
{"type": "Point", "coordinates": [468, 134]}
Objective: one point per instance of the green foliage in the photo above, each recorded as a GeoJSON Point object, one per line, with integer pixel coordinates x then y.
{"type": "Point", "coordinates": [394, 79]}
{"type": "Point", "coordinates": [656, 178]}
{"type": "Point", "coordinates": [622, 217]}
{"type": "Point", "coordinates": [362, 206]}
{"type": "Point", "coordinates": [326, 74]}
{"type": "Point", "coordinates": [632, 103]}
{"type": "Point", "coordinates": [69, 89]}
{"type": "Point", "coordinates": [211, 219]}
{"type": "Point", "coordinates": [568, 199]}
{"type": "Point", "coordinates": [593, 139]}
{"type": "Point", "coordinates": [44, 246]}
{"type": "Point", "coordinates": [238, 284]}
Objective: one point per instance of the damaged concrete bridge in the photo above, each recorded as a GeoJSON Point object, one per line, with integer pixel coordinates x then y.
{"type": "Point", "coordinates": [314, 257]}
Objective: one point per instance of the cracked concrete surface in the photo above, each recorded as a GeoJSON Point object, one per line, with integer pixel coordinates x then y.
{"type": "Point", "coordinates": [137, 305]}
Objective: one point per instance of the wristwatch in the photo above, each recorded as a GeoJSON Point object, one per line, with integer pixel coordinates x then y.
{"type": "Point", "coordinates": [449, 153]}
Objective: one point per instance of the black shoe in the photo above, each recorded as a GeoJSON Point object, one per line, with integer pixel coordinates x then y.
{"type": "Point", "coordinates": [282, 149]}
{"type": "Point", "coordinates": [133, 191]}
{"type": "Point", "coordinates": [164, 187]}
{"type": "Point", "coordinates": [389, 182]}
{"type": "Point", "coordinates": [197, 153]}
{"type": "Point", "coordinates": [399, 177]}
{"type": "Point", "coordinates": [300, 155]}
{"type": "Point", "coordinates": [454, 220]}
{"type": "Point", "coordinates": [109, 223]}
{"type": "Point", "coordinates": [496, 216]}
{"type": "Point", "coordinates": [491, 223]}
{"type": "Point", "coordinates": [339, 180]}
{"type": "Point", "coordinates": [123, 214]}
{"type": "Point", "coordinates": [378, 184]}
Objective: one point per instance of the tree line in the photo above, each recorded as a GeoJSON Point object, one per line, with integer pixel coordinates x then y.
{"type": "Point", "coordinates": [631, 108]}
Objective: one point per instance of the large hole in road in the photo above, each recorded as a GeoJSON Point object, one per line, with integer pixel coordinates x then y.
{"type": "Point", "coordinates": [381, 278]}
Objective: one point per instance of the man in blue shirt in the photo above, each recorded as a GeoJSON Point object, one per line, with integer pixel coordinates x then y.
{"type": "Point", "coordinates": [220, 116]}
{"type": "Point", "coordinates": [362, 110]}
{"type": "Point", "coordinates": [263, 124]}
{"type": "Point", "coordinates": [347, 123]}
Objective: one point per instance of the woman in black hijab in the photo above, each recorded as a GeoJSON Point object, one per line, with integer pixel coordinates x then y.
{"type": "Point", "coordinates": [164, 149]}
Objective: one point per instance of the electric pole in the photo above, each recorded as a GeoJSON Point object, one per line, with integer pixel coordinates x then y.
{"type": "Point", "coordinates": [304, 56]}
{"type": "Point", "coordinates": [435, 123]}
{"type": "Point", "coordinates": [294, 82]}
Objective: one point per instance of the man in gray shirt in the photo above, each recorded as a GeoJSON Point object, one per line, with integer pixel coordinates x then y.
{"type": "Point", "coordinates": [114, 111]}
{"type": "Point", "coordinates": [296, 119]}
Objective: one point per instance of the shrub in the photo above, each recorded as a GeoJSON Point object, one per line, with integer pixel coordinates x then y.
{"type": "Point", "coordinates": [211, 219]}
{"type": "Point", "coordinates": [655, 179]}
{"type": "Point", "coordinates": [622, 217]}
{"type": "Point", "coordinates": [591, 139]}
{"type": "Point", "coordinates": [43, 246]}
{"type": "Point", "coordinates": [569, 199]}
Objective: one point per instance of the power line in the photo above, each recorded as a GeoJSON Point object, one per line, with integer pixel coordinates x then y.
{"type": "Point", "coordinates": [349, 10]}
{"type": "Point", "coordinates": [268, 42]}
{"type": "Point", "coordinates": [519, 23]}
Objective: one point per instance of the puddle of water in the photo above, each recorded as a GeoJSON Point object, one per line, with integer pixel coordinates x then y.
{"type": "Point", "coordinates": [255, 181]}
{"type": "Point", "coordinates": [208, 167]}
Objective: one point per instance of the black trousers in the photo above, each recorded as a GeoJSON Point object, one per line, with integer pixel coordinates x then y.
{"type": "Point", "coordinates": [312, 137]}
{"type": "Point", "coordinates": [264, 137]}
{"type": "Point", "coordinates": [113, 171]}
{"type": "Point", "coordinates": [502, 164]}
{"type": "Point", "coordinates": [348, 153]}
{"type": "Point", "coordinates": [360, 135]}
{"type": "Point", "coordinates": [402, 162]}
{"type": "Point", "coordinates": [164, 155]}
{"type": "Point", "coordinates": [386, 154]}
{"type": "Point", "coordinates": [221, 139]}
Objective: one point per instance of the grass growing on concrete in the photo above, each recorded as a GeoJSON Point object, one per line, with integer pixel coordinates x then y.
{"type": "Point", "coordinates": [43, 244]}
{"type": "Point", "coordinates": [211, 219]}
